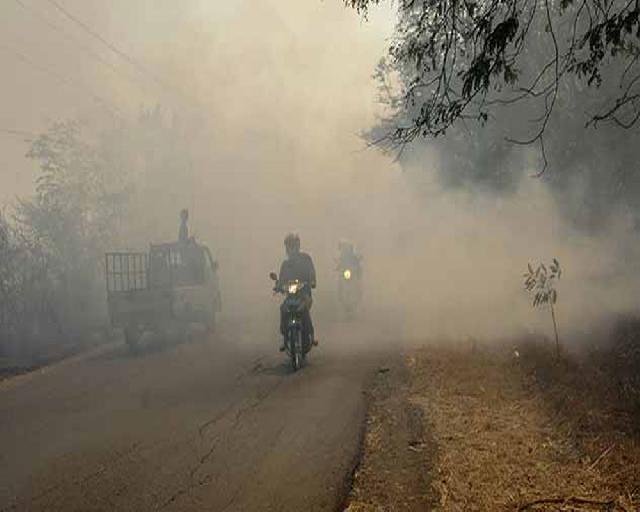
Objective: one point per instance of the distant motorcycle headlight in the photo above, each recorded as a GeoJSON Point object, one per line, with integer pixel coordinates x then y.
{"type": "Point", "coordinates": [293, 288]}
{"type": "Point", "coordinates": [347, 274]}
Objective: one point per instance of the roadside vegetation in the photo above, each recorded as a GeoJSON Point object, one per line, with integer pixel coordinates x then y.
{"type": "Point", "coordinates": [493, 94]}
{"type": "Point", "coordinates": [541, 283]}
{"type": "Point", "coordinates": [86, 200]}
{"type": "Point", "coordinates": [509, 429]}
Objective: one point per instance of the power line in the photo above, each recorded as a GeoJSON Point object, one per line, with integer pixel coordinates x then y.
{"type": "Point", "coordinates": [20, 133]}
{"type": "Point", "coordinates": [132, 61]}
{"type": "Point", "coordinates": [60, 78]}
{"type": "Point", "coordinates": [67, 36]}
{"type": "Point", "coordinates": [33, 12]}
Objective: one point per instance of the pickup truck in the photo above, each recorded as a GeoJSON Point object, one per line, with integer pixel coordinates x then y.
{"type": "Point", "coordinates": [173, 284]}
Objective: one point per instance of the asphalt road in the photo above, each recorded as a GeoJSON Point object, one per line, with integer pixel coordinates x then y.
{"type": "Point", "coordinates": [216, 424]}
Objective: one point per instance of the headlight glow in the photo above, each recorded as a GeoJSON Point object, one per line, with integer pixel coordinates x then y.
{"type": "Point", "coordinates": [347, 274]}
{"type": "Point", "coordinates": [293, 288]}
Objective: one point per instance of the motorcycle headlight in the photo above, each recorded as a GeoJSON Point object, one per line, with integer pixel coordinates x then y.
{"type": "Point", "coordinates": [347, 274]}
{"type": "Point", "coordinates": [293, 288]}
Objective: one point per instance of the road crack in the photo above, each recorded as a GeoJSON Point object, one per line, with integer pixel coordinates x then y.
{"type": "Point", "coordinates": [194, 480]}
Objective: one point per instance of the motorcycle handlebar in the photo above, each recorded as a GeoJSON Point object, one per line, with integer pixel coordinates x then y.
{"type": "Point", "coordinates": [281, 288]}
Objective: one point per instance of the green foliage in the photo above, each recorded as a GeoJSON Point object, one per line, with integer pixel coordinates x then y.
{"type": "Point", "coordinates": [541, 282]}
{"type": "Point", "coordinates": [78, 198]}
{"type": "Point", "coordinates": [97, 189]}
{"type": "Point", "coordinates": [72, 219]}
{"type": "Point", "coordinates": [362, 6]}
{"type": "Point", "coordinates": [26, 300]}
{"type": "Point", "coordinates": [593, 172]}
{"type": "Point", "coordinates": [470, 60]}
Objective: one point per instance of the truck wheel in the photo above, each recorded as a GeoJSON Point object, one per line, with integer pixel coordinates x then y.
{"type": "Point", "coordinates": [132, 337]}
{"type": "Point", "coordinates": [211, 322]}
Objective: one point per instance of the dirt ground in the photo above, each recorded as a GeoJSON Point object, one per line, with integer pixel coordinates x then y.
{"type": "Point", "coordinates": [397, 453]}
{"type": "Point", "coordinates": [459, 429]}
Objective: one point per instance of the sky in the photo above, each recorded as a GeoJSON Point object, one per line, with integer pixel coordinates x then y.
{"type": "Point", "coordinates": [306, 66]}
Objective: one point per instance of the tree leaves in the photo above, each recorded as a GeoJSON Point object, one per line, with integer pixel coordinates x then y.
{"type": "Point", "coordinates": [456, 60]}
{"type": "Point", "coordinates": [542, 282]}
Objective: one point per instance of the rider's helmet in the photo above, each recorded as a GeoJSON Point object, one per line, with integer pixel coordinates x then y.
{"type": "Point", "coordinates": [184, 215]}
{"type": "Point", "coordinates": [346, 248]}
{"type": "Point", "coordinates": [292, 243]}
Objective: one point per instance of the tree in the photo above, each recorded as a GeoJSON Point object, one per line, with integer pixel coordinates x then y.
{"type": "Point", "coordinates": [26, 304]}
{"type": "Point", "coordinates": [96, 190]}
{"type": "Point", "coordinates": [461, 60]}
{"type": "Point", "coordinates": [73, 216]}
{"type": "Point", "coordinates": [594, 161]}
{"type": "Point", "coordinates": [542, 283]}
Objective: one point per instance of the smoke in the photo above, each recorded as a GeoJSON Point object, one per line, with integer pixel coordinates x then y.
{"type": "Point", "coordinates": [451, 263]}
{"type": "Point", "coordinates": [270, 97]}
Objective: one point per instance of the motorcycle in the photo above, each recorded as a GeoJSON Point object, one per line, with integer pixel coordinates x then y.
{"type": "Point", "coordinates": [297, 340]}
{"type": "Point", "coordinates": [349, 290]}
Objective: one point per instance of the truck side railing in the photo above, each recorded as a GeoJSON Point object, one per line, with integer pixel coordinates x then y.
{"type": "Point", "coordinates": [127, 271]}
{"type": "Point", "coordinates": [164, 266]}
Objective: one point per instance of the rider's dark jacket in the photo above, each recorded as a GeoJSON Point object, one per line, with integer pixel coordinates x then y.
{"type": "Point", "coordinates": [298, 266]}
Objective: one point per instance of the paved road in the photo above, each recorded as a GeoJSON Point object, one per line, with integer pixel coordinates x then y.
{"type": "Point", "coordinates": [212, 424]}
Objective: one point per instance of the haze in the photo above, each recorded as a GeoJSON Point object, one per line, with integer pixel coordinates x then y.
{"type": "Point", "coordinates": [284, 89]}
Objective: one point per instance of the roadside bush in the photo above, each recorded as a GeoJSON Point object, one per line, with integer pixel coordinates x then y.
{"type": "Point", "coordinates": [27, 296]}
{"type": "Point", "coordinates": [605, 378]}
{"type": "Point", "coordinates": [620, 360]}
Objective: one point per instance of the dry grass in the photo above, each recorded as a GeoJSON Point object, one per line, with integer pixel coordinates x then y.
{"type": "Point", "coordinates": [504, 443]}
{"type": "Point", "coordinates": [591, 401]}
{"type": "Point", "coordinates": [507, 429]}
{"type": "Point", "coordinates": [397, 453]}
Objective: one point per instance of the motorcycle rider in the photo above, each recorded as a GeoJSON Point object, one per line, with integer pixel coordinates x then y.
{"type": "Point", "coordinates": [183, 232]}
{"type": "Point", "coordinates": [348, 258]}
{"type": "Point", "coordinates": [298, 265]}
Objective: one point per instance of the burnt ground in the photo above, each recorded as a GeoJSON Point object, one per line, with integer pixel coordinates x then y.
{"type": "Point", "coordinates": [456, 429]}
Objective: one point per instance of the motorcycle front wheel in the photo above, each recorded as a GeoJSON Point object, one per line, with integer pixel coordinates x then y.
{"type": "Point", "coordinates": [295, 349]}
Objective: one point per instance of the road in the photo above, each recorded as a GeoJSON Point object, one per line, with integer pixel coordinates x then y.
{"type": "Point", "coordinates": [213, 424]}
